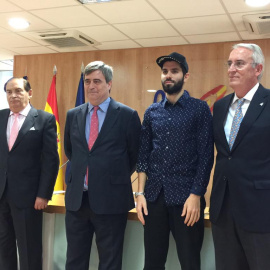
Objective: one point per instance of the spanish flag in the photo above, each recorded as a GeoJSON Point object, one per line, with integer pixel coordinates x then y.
{"type": "Point", "coordinates": [214, 95]}
{"type": "Point", "coordinates": [51, 107]}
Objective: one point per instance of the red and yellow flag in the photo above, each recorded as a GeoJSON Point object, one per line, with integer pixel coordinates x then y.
{"type": "Point", "coordinates": [214, 95]}
{"type": "Point", "coordinates": [51, 107]}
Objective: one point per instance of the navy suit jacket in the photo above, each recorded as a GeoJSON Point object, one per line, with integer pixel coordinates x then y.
{"type": "Point", "coordinates": [246, 168]}
{"type": "Point", "coordinates": [30, 169]}
{"type": "Point", "coordinates": [111, 160]}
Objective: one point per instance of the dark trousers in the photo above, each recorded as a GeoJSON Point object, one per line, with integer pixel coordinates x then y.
{"type": "Point", "coordinates": [23, 225]}
{"type": "Point", "coordinates": [237, 249]}
{"type": "Point", "coordinates": [160, 221]}
{"type": "Point", "coordinates": [109, 230]}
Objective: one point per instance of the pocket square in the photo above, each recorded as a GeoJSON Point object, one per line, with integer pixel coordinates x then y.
{"type": "Point", "coordinates": [32, 128]}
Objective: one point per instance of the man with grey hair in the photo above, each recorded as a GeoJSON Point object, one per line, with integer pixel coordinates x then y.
{"type": "Point", "coordinates": [240, 199]}
{"type": "Point", "coordinates": [101, 141]}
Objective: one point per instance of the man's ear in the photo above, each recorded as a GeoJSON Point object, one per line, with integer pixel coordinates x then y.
{"type": "Point", "coordinates": [259, 69]}
{"type": "Point", "coordinates": [186, 77]}
{"type": "Point", "coordinates": [30, 93]}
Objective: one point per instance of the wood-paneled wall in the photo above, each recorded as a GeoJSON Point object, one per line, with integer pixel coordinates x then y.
{"type": "Point", "coordinates": [135, 71]}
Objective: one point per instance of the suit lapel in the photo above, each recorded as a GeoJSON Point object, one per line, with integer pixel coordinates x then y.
{"type": "Point", "coordinates": [27, 124]}
{"type": "Point", "coordinates": [222, 118]}
{"type": "Point", "coordinates": [3, 129]}
{"type": "Point", "coordinates": [81, 119]}
{"type": "Point", "coordinates": [111, 116]}
{"type": "Point", "coordinates": [255, 108]}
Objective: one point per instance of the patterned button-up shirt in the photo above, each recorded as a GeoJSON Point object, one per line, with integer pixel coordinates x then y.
{"type": "Point", "coordinates": [176, 150]}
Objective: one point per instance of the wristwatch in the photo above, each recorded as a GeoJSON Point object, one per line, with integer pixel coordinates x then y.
{"type": "Point", "coordinates": [138, 194]}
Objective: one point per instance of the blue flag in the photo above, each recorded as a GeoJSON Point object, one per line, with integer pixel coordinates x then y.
{"type": "Point", "coordinates": [80, 99]}
{"type": "Point", "coordinates": [80, 94]}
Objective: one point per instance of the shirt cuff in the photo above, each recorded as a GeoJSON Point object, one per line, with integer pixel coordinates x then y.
{"type": "Point", "coordinates": [198, 190]}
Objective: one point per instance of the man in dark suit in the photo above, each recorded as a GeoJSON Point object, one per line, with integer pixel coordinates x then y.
{"type": "Point", "coordinates": [240, 199]}
{"type": "Point", "coordinates": [101, 141]}
{"type": "Point", "coordinates": [29, 165]}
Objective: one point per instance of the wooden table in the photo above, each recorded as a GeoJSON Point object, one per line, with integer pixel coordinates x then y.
{"type": "Point", "coordinates": [57, 206]}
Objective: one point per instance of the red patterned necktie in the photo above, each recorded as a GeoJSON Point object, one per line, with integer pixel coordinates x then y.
{"type": "Point", "coordinates": [93, 133]}
{"type": "Point", "coordinates": [14, 131]}
{"type": "Point", "coordinates": [93, 128]}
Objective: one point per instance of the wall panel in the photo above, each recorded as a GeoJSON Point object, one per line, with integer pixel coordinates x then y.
{"type": "Point", "coordinates": [135, 71]}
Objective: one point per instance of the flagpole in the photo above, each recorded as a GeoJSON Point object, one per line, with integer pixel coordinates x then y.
{"type": "Point", "coordinates": [82, 68]}
{"type": "Point", "coordinates": [54, 70]}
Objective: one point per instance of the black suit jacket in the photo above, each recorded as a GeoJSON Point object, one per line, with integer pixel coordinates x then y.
{"type": "Point", "coordinates": [246, 168]}
{"type": "Point", "coordinates": [111, 160]}
{"type": "Point", "coordinates": [30, 169]}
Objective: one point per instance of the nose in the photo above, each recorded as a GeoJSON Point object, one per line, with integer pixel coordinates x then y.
{"type": "Point", "coordinates": [231, 67]}
{"type": "Point", "coordinates": [168, 75]}
{"type": "Point", "coordinates": [90, 85]}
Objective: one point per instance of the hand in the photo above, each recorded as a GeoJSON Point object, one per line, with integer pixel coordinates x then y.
{"type": "Point", "coordinates": [191, 209]}
{"type": "Point", "coordinates": [40, 203]}
{"type": "Point", "coordinates": [141, 208]}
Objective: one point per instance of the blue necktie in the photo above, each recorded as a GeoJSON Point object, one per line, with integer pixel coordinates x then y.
{"type": "Point", "coordinates": [237, 119]}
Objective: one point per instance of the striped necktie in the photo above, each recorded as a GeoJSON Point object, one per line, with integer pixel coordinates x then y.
{"type": "Point", "coordinates": [237, 119]}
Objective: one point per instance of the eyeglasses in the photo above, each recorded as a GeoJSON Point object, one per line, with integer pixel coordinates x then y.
{"type": "Point", "coordinates": [239, 64]}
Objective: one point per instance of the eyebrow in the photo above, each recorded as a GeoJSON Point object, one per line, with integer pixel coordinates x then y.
{"type": "Point", "coordinates": [10, 89]}
{"type": "Point", "coordinates": [173, 69]}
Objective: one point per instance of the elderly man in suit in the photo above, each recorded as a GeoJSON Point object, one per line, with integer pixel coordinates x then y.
{"type": "Point", "coordinates": [101, 141]}
{"type": "Point", "coordinates": [240, 199]}
{"type": "Point", "coordinates": [29, 165]}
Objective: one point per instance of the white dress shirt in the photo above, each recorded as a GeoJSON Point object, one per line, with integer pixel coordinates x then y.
{"type": "Point", "coordinates": [248, 97]}
{"type": "Point", "coordinates": [21, 118]}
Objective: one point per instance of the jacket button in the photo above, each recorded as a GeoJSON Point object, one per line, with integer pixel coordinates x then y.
{"type": "Point", "coordinates": [229, 158]}
{"type": "Point", "coordinates": [225, 178]}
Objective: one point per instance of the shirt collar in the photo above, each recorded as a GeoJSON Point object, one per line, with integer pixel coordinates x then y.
{"type": "Point", "coordinates": [249, 95]}
{"type": "Point", "coordinates": [25, 111]}
{"type": "Point", "coordinates": [103, 106]}
{"type": "Point", "coordinates": [181, 101]}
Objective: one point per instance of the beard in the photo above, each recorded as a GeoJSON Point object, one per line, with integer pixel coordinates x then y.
{"type": "Point", "coordinates": [173, 89]}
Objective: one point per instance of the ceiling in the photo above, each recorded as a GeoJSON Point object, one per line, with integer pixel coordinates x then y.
{"type": "Point", "coordinates": [123, 24]}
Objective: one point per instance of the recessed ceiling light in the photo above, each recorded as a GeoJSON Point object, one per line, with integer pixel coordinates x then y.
{"type": "Point", "coordinates": [152, 91]}
{"type": "Point", "coordinates": [18, 23]}
{"type": "Point", "coordinates": [257, 3]}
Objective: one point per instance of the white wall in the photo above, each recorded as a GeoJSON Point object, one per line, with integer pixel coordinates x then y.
{"type": "Point", "coordinates": [4, 76]}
